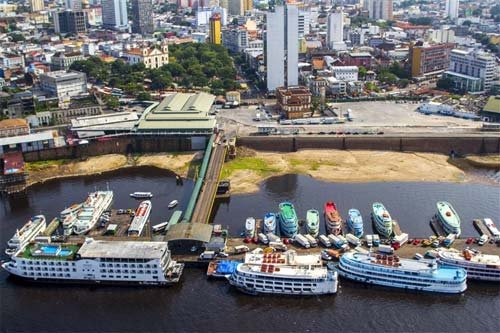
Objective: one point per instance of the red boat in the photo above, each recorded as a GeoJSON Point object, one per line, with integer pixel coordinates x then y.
{"type": "Point", "coordinates": [333, 220]}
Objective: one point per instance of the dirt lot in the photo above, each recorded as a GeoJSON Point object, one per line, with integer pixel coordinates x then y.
{"type": "Point", "coordinates": [252, 167]}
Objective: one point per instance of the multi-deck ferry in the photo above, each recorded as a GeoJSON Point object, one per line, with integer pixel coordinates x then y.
{"type": "Point", "coordinates": [355, 222]}
{"type": "Point", "coordinates": [26, 234]}
{"type": "Point", "coordinates": [448, 218]}
{"type": "Point", "coordinates": [270, 223]}
{"type": "Point", "coordinates": [289, 223]}
{"type": "Point", "coordinates": [141, 216]}
{"type": "Point", "coordinates": [391, 271]}
{"type": "Point", "coordinates": [479, 266]}
{"type": "Point", "coordinates": [333, 221]}
{"type": "Point", "coordinates": [96, 203]}
{"type": "Point", "coordinates": [312, 222]}
{"type": "Point", "coordinates": [382, 219]}
{"type": "Point", "coordinates": [290, 275]}
{"type": "Point", "coordinates": [97, 261]}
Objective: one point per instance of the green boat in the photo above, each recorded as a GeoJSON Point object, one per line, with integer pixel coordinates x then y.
{"type": "Point", "coordinates": [448, 218]}
{"type": "Point", "coordinates": [312, 222]}
{"type": "Point", "coordinates": [289, 223]}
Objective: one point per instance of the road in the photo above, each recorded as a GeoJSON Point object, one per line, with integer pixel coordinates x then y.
{"type": "Point", "coordinates": [206, 197]}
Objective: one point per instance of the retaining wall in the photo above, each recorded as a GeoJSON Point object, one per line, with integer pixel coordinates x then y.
{"type": "Point", "coordinates": [443, 145]}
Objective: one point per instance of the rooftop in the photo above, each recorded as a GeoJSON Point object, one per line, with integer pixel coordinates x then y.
{"type": "Point", "coordinates": [124, 250]}
{"type": "Point", "coordinates": [9, 123]}
{"type": "Point", "coordinates": [190, 231]}
{"type": "Point", "coordinates": [493, 104]}
{"type": "Point", "coordinates": [180, 111]}
{"type": "Point", "coordinates": [14, 140]}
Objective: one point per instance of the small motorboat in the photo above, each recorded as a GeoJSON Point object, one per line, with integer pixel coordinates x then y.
{"type": "Point", "coordinates": [173, 203]}
{"type": "Point", "coordinates": [141, 195]}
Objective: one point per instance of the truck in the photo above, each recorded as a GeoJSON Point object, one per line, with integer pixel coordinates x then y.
{"type": "Point", "coordinates": [400, 240]}
{"type": "Point", "coordinates": [241, 249]}
{"type": "Point", "coordinates": [273, 238]}
{"type": "Point", "coordinates": [353, 239]}
{"type": "Point", "coordinates": [257, 117]}
{"type": "Point", "coordinates": [449, 240]}
{"type": "Point", "coordinates": [338, 242]}
{"type": "Point", "coordinates": [302, 240]}
{"type": "Point", "coordinates": [369, 240]}
{"type": "Point", "coordinates": [325, 241]}
{"type": "Point", "coordinates": [312, 241]}
{"type": "Point", "coordinates": [376, 240]}
{"type": "Point", "coordinates": [483, 240]}
{"type": "Point", "coordinates": [386, 249]}
{"type": "Point", "coordinates": [263, 238]}
{"type": "Point", "coordinates": [278, 246]}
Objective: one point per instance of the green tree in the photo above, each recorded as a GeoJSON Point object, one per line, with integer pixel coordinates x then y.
{"type": "Point", "coordinates": [362, 71]}
{"type": "Point", "coordinates": [17, 37]}
{"type": "Point", "coordinates": [444, 83]}
{"type": "Point", "coordinates": [144, 96]}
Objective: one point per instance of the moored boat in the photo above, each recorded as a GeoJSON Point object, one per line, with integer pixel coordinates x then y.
{"type": "Point", "coordinates": [289, 223]}
{"type": "Point", "coordinates": [92, 209]}
{"type": "Point", "coordinates": [333, 220]}
{"type": "Point", "coordinates": [312, 222]}
{"type": "Point", "coordinates": [71, 210]}
{"type": "Point", "coordinates": [355, 222]}
{"type": "Point", "coordinates": [448, 218]}
{"type": "Point", "coordinates": [141, 195]}
{"type": "Point", "coordinates": [408, 274]}
{"type": "Point", "coordinates": [250, 227]}
{"type": "Point", "coordinates": [221, 268]}
{"type": "Point", "coordinates": [172, 204]}
{"type": "Point", "coordinates": [382, 219]}
{"type": "Point", "coordinates": [485, 267]}
{"type": "Point", "coordinates": [35, 225]}
{"type": "Point", "coordinates": [270, 223]}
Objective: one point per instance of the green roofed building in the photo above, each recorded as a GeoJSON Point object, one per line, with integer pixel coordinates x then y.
{"type": "Point", "coordinates": [180, 113]}
{"type": "Point", "coordinates": [491, 111]}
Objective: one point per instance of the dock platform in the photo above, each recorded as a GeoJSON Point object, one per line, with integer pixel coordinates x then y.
{"type": "Point", "coordinates": [437, 228]}
{"type": "Point", "coordinates": [396, 229]}
{"type": "Point", "coordinates": [481, 228]}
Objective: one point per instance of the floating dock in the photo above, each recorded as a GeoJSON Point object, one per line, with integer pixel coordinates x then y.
{"type": "Point", "coordinates": [52, 227]}
{"type": "Point", "coordinates": [437, 228]}
{"type": "Point", "coordinates": [481, 228]}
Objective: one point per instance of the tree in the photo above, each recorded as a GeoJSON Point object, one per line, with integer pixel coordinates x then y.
{"type": "Point", "coordinates": [17, 37]}
{"type": "Point", "coordinates": [362, 71]}
{"type": "Point", "coordinates": [144, 96]}
{"type": "Point", "coordinates": [112, 102]}
{"type": "Point", "coordinates": [467, 23]}
{"type": "Point", "coordinates": [444, 83]}
{"type": "Point", "coordinates": [403, 83]}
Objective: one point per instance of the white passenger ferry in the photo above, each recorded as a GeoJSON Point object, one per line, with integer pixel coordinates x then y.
{"type": "Point", "coordinates": [290, 275]}
{"type": "Point", "coordinates": [26, 234]}
{"type": "Point", "coordinates": [479, 266]}
{"type": "Point", "coordinates": [96, 203]}
{"type": "Point", "coordinates": [96, 261]}
{"type": "Point", "coordinates": [141, 217]}
{"type": "Point", "coordinates": [391, 271]}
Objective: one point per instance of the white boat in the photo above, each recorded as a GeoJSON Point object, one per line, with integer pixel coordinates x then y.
{"type": "Point", "coordinates": [250, 227]}
{"type": "Point", "coordinates": [291, 276]}
{"type": "Point", "coordinates": [479, 266]}
{"type": "Point", "coordinates": [71, 210]}
{"type": "Point", "coordinates": [141, 195]}
{"type": "Point", "coordinates": [36, 225]}
{"type": "Point", "coordinates": [270, 223]}
{"type": "Point", "coordinates": [172, 204]}
{"type": "Point", "coordinates": [382, 219]}
{"type": "Point", "coordinates": [141, 216]}
{"type": "Point", "coordinates": [391, 271]}
{"type": "Point", "coordinates": [68, 224]}
{"type": "Point", "coordinates": [492, 228]}
{"type": "Point", "coordinates": [91, 211]}
{"type": "Point", "coordinates": [148, 263]}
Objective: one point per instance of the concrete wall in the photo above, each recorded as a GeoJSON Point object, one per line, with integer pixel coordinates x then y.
{"type": "Point", "coordinates": [122, 145]}
{"type": "Point", "coordinates": [443, 145]}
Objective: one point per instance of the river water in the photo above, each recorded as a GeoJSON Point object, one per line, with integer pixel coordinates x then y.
{"type": "Point", "coordinates": [197, 304]}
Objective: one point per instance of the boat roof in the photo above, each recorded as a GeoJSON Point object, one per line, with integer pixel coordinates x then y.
{"type": "Point", "coordinates": [124, 250]}
{"type": "Point", "coordinates": [286, 271]}
{"type": "Point", "coordinates": [486, 259]}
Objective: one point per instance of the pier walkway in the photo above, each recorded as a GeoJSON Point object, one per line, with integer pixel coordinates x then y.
{"type": "Point", "coordinates": [206, 197]}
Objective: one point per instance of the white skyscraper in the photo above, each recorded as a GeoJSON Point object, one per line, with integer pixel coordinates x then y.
{"type": "Point", "coordinates": [452, 8]}
{"type": "Point", "coordinates": [380, 9]}
{"type": "Point", "coordinates": [282, 47]}
{"type": "Point", "coordinates": [73, 4]}
{"type": "Point", "coordinates": [335, 31]}
{"type": "Point", "coordinates": [114, 14]}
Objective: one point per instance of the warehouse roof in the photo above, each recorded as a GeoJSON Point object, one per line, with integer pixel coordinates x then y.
{"type": "Point", "coordinates": [190, 231]}
{"type": "Point", "coordinates": [493, 104]}
{"type": "Point", "coordinates": [14, 140]}
{"type": "Point", "coordinates": [180, 111]}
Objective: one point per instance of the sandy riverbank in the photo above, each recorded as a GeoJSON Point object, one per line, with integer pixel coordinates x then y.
{"type": "Point", "coordinates": [251, 167]}
{"type": "Point", "coordinates": [45, 170]}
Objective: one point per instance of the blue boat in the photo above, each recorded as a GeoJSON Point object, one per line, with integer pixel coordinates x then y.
{"type": "Point", "coordinates": [221, 268]}
{"type": "Point", "coordinates": [289, 223]}
{"type": "Point", "coordinates": [355, 222]}
{"type": "Point", "coordinates": [270, 223]}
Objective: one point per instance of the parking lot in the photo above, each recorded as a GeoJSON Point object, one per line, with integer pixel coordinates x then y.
{"type": "Point", "coordinates": [367, 118]}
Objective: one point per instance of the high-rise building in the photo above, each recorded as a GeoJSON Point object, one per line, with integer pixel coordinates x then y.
{"type": "Point", "coordinates": [235, 39]}
{"type": "Point", "coordinates": [304, 22]}
{"type": "Point", "coordinates": [236, 7]}
{"type": "Point", "coordinates": [452, 8]}
{"type": "Point", "coordinates": [36, 5]}
{"type": "Point", "coordinates": [380, 9]}
{"type": "Point", "coordinates": [73, 4]}
{"type": "Point", "coordinates": [114, 14]}
{"type": "Point", "coordinates": [471, 71]}
{"type": "Point", "coordinates": [142, 17]}
{"type": "Point", "coordinates": [215, 29]}
{"type": "Point", "coordinates": [70, 22]}
{"type": "Point", "coordinates": [282, 47]}
{"type": "Point", "coordinates": [429, 59]}
{"type": "Point", "coordinates": [248, 5]}
{"type": "Point", "coordinates": [335, 31]}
